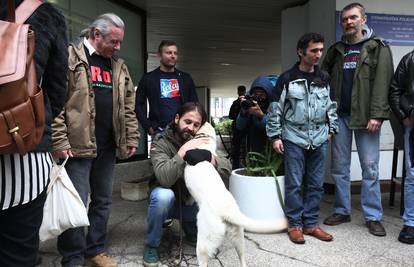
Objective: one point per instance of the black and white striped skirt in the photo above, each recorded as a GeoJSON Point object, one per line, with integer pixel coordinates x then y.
{"type": "Point", "coordinates": [23, 178]}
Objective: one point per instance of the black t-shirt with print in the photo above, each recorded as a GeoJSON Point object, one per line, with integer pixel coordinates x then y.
{"type": "Point", "coordinates": [351, 58]}
{"type": "Point", "coordinates": [170, 97]}
{"type": "Point", "coordinates": [101, 75]}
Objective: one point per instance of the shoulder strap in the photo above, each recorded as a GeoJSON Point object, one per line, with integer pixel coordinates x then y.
{"type": "Point", "coordinates": [26, 9]}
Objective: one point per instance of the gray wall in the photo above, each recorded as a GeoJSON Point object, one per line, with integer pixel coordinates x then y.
{"type": "Point", "coordinates": [315, 16]}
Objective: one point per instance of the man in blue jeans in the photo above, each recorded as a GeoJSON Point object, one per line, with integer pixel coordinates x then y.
{"type": "Point", "coordinates": [300, 125]}
{"type": "Point", "coordinates": [401, 102]}
{"type": "Point", "coordinates": [168, 191]}
{"type": "Point", "coordinates": [361, 68]}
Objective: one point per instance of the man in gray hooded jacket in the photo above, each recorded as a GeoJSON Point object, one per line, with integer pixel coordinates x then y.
{"type": "Point", "coordinates": [361, 68]}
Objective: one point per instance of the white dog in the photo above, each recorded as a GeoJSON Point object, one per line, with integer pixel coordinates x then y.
{"type": "Point", "coordinates": [219, 214]}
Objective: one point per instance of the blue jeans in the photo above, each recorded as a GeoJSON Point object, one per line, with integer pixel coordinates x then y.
{"type": "Point", "coordinates": [94, 176]}
{"type": "Point", "coordinates": [162, 206]}
{"type": "Point", "coordinates": [408, 216]}
{"type": "Point", "coordinates": [307, 167]}
{"type": "Point", "coordinates": [368, 152]}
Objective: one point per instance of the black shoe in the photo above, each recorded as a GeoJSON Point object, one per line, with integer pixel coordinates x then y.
{"type": "Point", "coordinates": [376, 228]}
{"type": "Point", "coordinates": [407, 235]}
{"type": "Point", "coordinates": [336, 219]}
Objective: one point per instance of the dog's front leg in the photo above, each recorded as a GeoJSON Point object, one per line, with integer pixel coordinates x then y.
{"type": "Point", "coordinates": [202, 255]}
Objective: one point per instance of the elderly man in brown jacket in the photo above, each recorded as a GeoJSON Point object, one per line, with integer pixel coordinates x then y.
{"type": "Point", "coordinates": [98, 118]}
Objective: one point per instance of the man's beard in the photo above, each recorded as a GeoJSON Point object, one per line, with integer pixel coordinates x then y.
{"type": "Point", "coordinates": [354, 30]}
{"type": "Point", "coordinates": [185, 135]}
{"type": "Point", "coordinates": [168, 65]}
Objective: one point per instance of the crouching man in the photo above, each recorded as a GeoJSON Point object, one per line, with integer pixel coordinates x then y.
{"type": "Point", "coordinates": [300, 125]}
{"type": "Point", "coordinates": [168, 190]}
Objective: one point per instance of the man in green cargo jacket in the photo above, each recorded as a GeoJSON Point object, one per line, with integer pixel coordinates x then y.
{"type": "Point", "coordinates": [168, 191]}
{"type": "Point", "coordinates": [361, 69]}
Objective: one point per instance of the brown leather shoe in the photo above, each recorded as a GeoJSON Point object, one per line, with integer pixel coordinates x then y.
{"type": "Point", "coordinates": [318, 233]}
{"type": "Point", "coordinates": [296, 235]}
{"type": "Point", "coordinates": [101, 260]}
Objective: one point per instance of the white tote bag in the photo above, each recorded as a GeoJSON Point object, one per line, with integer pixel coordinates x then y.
{"type": "Point", "coordinates": [63, 208]}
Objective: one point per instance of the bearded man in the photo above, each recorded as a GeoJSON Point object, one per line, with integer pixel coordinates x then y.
{"type": "Point", "coordinates": [168, 192]}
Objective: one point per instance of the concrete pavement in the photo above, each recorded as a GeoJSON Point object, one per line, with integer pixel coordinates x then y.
{"type": "Point", "coordinates": [352, 245]}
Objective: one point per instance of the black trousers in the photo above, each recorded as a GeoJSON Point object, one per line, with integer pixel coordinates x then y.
{"type": "Point", "coordinates": [19, 233]}
{"type": "Point", "coordinates": [236, 144]}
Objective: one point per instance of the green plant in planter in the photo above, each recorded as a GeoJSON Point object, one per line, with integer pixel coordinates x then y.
{"type": "Point", "coordinates": [268, 163]}
{"type": "Point", "coordinates": [224, 126]}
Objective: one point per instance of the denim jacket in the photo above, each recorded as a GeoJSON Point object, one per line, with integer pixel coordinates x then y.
{"type": "Point", "coordinates": [304, 115]}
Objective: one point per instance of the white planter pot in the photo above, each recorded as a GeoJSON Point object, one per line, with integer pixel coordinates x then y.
{"type": "Point", "coordinates": [257, 196]}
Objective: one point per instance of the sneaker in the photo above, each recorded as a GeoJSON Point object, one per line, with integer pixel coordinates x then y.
{"type": "Point", "coordinates": [151, 257]}
{"type": "Point", "coordinates": [101, 260]}
{"type": "Point", "coordinates": [407, 235]}
{"type": "Point", "coordinates": [376, 228]}
{"type": "Point", "coordinates": [167, 223]}
{"type": "Point", "coordinates": [336, 219]}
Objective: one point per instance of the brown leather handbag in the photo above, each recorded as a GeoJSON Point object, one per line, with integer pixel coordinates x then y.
{"type": "Point", "coordinates": [22, 115]}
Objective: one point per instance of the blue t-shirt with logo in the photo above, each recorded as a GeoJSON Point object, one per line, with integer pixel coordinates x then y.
{"type": "Point", "coordinates": [170, 97]}
{"type": "Point", "coordinates": [351, 58]}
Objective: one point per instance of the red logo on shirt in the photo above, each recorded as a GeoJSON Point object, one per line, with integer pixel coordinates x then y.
{"type": "Point", "coordinates": [98, 75]}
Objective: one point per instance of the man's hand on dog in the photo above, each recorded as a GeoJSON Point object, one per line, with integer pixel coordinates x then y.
{"type": "Point", "coordinates": [194, 156]}
{"type": "Point", "coordinates": [192, 144]}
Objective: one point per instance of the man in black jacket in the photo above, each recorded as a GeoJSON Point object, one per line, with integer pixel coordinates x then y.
{"type": "Point", "coordinates": [166, 89]}
{"type": "Point", "coordinates": [402, 101]}
{"type": "Point", "coordinates": [237, 137]}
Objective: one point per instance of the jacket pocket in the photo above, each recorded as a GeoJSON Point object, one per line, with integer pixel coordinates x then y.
{"type": "Point", "coordinates": [78, 74]}
{"type": "Point", "coordinates": [407, 104]}
{"type": "Point", "coordinates": [321, 102]}
{"type": "Point", "coordinates": [368, 67]}
{"type": "Point", "coordinates": [296, 111]}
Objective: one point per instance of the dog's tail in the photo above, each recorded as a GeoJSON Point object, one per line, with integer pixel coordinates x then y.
{"type": "Point", "coordinates": [255, 226]}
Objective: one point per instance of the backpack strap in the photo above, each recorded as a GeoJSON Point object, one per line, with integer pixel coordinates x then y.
{"type": "Point", "coordinates": [26, 9]}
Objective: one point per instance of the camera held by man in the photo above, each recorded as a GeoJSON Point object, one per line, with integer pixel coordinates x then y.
{"type": "Point", "coordinates": [253, 114]}
{"type": "Point", "coordinates": [254, 104]}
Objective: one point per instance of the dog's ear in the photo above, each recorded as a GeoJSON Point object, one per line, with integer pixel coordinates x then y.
{"type": "Point", "coordinates": [194, 156]}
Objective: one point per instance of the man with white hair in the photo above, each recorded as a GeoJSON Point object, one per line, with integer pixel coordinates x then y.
{"type": "Point", "coordinates": [98, 118]}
